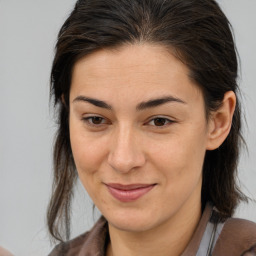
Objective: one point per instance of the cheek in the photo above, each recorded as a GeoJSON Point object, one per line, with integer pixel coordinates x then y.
{"type": "Point", "coordinates": [87, 151]}
{"type": "Point", "coordinates": [88, 157]}
{"type": "Point", "coordinates": [181, 155]}
{"type": "Point", "coordinates": [181, 170]}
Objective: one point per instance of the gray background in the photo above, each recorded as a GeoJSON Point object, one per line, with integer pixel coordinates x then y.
{"type": "Point", "coordinates": [28, 30]}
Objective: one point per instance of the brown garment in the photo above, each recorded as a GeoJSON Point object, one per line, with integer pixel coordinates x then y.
{"type": "Point", "coordinates": [251, 251]}
{"type": "Point", "coordinates": [236, 237]}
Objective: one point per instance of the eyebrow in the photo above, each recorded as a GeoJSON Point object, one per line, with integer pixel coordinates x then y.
{"type": "Point", "coordinates": [157, 102]}
{"type": "Point", "coordinates": [141, 106]}
{"type": "Point", "coordinates": [95, 102]}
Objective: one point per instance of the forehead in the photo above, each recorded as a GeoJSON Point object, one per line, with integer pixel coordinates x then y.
{"type": "Point", "coordinates": [139, 70]}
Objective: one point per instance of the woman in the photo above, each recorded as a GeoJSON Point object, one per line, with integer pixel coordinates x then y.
{"type": "Point", "coordinates": [150, 121]}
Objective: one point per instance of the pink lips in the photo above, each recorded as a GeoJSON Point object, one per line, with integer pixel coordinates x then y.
{"type": "Point", "coordinates": [128, 193]}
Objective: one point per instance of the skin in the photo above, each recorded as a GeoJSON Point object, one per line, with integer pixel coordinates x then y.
{"type": "Point", "coordinates": [4, 252]}
{"type": "Point", "coordinates": [161, 145]}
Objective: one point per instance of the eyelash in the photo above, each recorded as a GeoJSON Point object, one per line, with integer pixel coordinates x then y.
{"type": "Point", "coordinates": [88, 120]}
{"type": "Point", "coordinates": [167, 121]}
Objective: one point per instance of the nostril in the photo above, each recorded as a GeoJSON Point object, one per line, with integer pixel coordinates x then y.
{"type": "Point", "coordinates": [125, 152]}
{"type": "Point", "coordinates": [121, 163]}
{"type": "Point", "coordinates": [126, 161]}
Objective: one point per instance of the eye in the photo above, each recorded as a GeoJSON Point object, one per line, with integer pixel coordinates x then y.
{"type": "Point", "coordinates": [160, 121]}
{"type": "Point", "coordinates": [94, 120]}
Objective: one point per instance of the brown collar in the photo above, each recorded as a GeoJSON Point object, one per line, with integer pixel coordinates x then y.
{"type": "Point", "coordinates": [97, 240]}
{"type": "Point", "coordinates": [94, 242]}
{"type": "Point", "coordinates": [194, 243]}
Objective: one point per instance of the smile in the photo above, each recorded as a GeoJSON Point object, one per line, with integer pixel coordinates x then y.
{"type": "Point", "coordinates": [128, 193]}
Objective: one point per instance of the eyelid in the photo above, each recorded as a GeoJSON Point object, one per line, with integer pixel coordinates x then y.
{"type": "Point", "coordinates": [168, 119]}
{"type": "Point", "coordinates": [86, 119]}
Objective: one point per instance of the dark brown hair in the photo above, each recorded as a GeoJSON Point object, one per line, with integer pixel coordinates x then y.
{"type": "Point", "coordinates": [198, 33]}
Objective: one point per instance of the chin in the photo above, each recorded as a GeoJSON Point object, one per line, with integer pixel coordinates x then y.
{"type": "Point", "coordinates": [131, 226]}
{"type": "Point", "coordinates": [130, 221]}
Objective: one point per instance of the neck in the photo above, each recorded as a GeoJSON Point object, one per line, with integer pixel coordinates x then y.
{"type": "Point", "coordinates": [168, 239]}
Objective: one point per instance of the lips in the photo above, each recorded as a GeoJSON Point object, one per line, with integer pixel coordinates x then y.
{"type": "Point", "coordinates": [128, 193]}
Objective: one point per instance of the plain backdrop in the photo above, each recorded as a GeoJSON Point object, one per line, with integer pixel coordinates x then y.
{"type": "Point", "coordinates": [28, 31]}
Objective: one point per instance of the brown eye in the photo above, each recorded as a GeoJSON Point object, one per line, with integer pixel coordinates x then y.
{"type": "Point", "coordinates": [160, 121]}
{"type": "Point", "coordinates": [96, 120]}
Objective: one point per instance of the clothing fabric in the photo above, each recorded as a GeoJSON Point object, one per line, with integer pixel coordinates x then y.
{"type": "Point", "coordinates": [213, 237]}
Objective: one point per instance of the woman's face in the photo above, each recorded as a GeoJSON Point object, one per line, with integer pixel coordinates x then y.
{"type": "Point", "coordinates": [138, 135]}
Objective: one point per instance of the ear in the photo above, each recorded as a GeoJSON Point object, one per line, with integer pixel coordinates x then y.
{"type": "Point", "coordinates": [220, 121]}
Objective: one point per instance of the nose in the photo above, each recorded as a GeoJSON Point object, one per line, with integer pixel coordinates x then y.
{"type": "Point", "coordinates": [126, 152]}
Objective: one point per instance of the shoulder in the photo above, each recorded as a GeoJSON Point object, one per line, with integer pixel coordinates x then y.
{"type": "Point", "coordinates": [4, 252]}
{"type": "Point", "coordinates": [92, 242]}
{"type": "Point", "coordinates": [236, 237]}
{"type": "Point", "coordinates": [71, 247]}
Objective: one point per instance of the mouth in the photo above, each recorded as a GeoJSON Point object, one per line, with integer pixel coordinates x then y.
{"type": "Point", "coordinates": [128, 193]}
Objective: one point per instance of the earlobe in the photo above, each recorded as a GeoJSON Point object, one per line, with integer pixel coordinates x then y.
{"type": "Point", "coordinates": [221, 121]}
